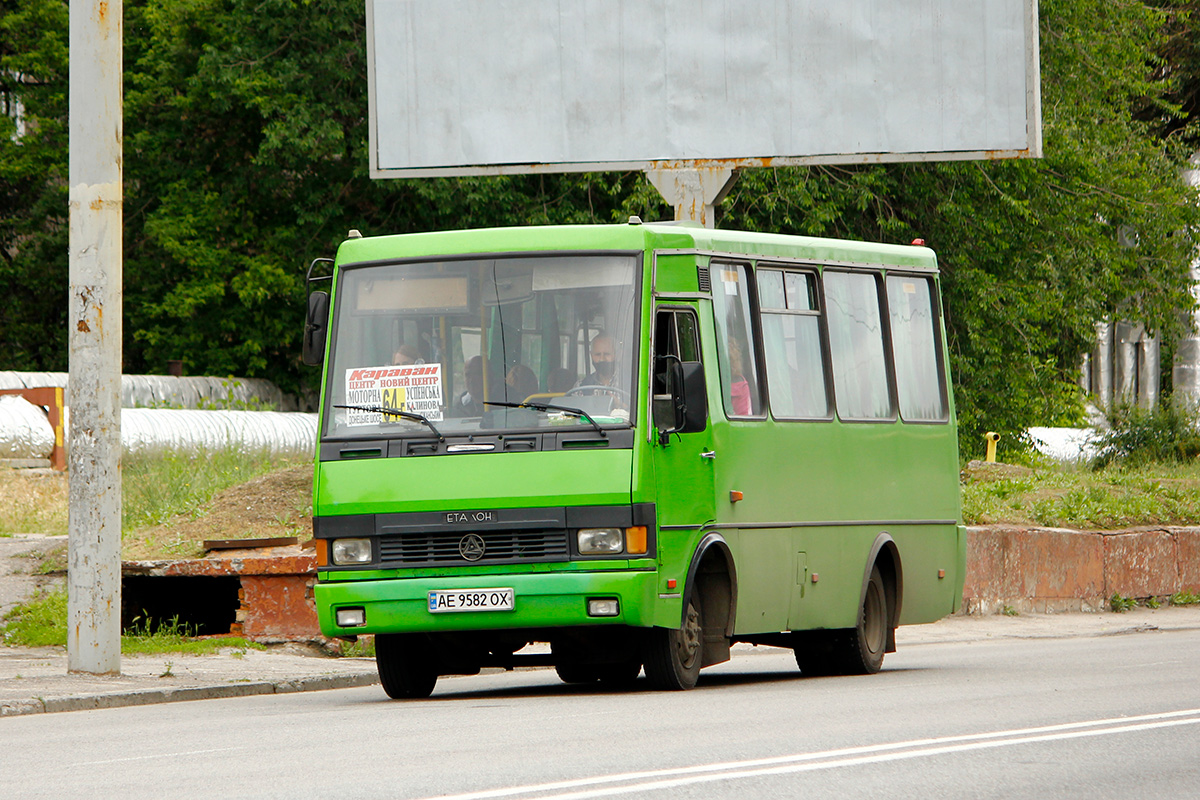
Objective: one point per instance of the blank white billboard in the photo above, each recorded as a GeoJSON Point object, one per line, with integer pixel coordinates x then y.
{"type": "Point", "coordinates": [462, 87]}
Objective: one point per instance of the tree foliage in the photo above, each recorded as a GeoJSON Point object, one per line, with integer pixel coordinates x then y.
{"type": "Point", "coordinates": [245, 157]}
{"type": "Point", "coordinates": [33, 184]}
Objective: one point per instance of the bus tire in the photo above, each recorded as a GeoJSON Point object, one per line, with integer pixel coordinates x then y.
{"type": "Point", "coordinates": [619, 676]}
{"type": "Point", "coordinates": [862, 650]}
{"type": "Point", "coordinates": [577, 673]}
{"type": "Point", "coordinates": [405, 672]}
{"type": "Point", "coordinates": [673, 656]}
{"type": "Point", "coordinates": [852, 651]}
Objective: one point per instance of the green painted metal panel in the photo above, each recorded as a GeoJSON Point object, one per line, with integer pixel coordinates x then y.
{"type": "Point", "coordinates": [541, 601]}
{"type": "Point", "coordinates": [474, 481]}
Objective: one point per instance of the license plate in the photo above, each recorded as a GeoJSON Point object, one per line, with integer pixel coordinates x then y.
{"type": "Point", "coordinates": [446, 600]}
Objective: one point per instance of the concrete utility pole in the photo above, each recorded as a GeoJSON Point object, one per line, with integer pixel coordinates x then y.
{"type": "Point", "coordinates": [94, 316]}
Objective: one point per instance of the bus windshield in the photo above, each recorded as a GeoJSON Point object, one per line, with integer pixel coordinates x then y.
{"type": "Point", "coordinates": [466, 346]}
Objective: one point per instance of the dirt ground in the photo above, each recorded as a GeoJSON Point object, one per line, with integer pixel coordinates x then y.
{"type": "Point", "coordinates": [272, 505]}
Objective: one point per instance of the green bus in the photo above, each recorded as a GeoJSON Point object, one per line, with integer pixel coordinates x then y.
{"type": "Point", "coordinates": [637, 444]}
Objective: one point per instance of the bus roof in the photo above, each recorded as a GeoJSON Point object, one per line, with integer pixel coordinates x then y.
{"type": "Point", "coordinates": [629, 237]}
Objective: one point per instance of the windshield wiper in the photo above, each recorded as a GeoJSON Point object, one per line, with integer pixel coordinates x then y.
{"type": "Point", "coordinates": [575, 412]}
{"type": "Point", "coordinates": [395, 412]}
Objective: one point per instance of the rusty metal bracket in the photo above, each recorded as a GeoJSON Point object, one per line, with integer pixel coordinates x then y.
{"type": "Point", "coordinates": [49, 398]}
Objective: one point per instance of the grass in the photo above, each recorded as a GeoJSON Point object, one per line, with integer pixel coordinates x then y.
{"type": "Point", "coordinates": [155, 490]}
{"type": "Point", "coordinates": [1067, 496]}
{"type": "Point", "coordinates": [42, 622]}
{"type": "Point", "coordinates": [32, 502]}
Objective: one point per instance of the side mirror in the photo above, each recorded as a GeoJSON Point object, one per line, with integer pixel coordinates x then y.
{"type": "Point", "coordinates": [315, 325]}
{"type": "Point", "coordinates": [692, 408]}
{"type": "Point", "coordinates": [688, 398]}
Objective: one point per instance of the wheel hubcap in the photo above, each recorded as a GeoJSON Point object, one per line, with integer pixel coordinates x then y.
{"type": "Point", "coordinates": [690, 637]}
{"type": "Point", "coordinates": [873, 623]}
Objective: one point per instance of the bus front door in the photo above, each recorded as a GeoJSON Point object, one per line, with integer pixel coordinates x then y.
{"type": "Point", "coordinates": [683, 466]}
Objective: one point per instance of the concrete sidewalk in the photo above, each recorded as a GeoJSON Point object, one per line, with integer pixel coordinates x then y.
{"type": "Point", "coordinates": [35, 680]}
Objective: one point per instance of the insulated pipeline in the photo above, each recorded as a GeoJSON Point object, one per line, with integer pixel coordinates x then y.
{"type": "Point", "coordinates": [25, 432]}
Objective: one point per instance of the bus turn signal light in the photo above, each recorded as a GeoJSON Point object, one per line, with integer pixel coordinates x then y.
{"type": "Point", "coordinates": [734, 496]}
{"type": "Point", "coordinates": [635, 540]}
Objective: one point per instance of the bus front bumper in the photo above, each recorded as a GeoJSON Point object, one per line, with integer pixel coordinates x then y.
{"type": "Point", "coordinates": [401, 605]}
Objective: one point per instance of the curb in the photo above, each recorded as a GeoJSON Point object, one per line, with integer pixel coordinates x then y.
{"type": "Point", "coordinates": [142, 697]}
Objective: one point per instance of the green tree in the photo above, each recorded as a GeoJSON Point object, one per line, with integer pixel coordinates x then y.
{"type": "Point", "coordinates": [33, 184]}
{"type": "Point", "coordinates": [246, 156]}
{"type": "Point", "coordinates": [1031, 251]}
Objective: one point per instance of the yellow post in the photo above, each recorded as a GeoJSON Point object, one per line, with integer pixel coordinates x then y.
{"type": "Point", "coordinates": [991, 437]}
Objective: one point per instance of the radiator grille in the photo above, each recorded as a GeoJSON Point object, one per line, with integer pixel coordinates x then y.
{"type": "Point", "coordinates": [500, 547]}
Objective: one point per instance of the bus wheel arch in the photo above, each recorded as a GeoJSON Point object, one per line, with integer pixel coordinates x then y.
{"type": "Point", "coordinates": [886, 556]}
{"type": "Point", "coordinates": [673, 657]}
{"type": "Point", "coordinates": [712, 577]}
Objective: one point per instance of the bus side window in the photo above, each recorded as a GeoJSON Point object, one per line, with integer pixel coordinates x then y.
{"type": "Point", "coordinates": [675, 336]}
{"type": "Point", "coordinates": [792, 344]}
{"type": "Point", "coordinates": [736, 354]}
{"type": "Point", "coordinates": [919, 377]}
{"type": "Point", "coordinates": [860, 377]}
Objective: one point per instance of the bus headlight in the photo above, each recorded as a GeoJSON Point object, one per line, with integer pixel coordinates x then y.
{"type": "Point", "coordinates": [351, 551]}
{"type": "Point", "coordinates": [600, 541]}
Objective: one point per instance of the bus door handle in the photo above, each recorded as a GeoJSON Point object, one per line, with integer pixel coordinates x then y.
{"type": "Point", "coordinates": [708, 454]}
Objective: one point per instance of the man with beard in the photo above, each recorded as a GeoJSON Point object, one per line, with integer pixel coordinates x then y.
{"type": "Point", "coordinates": [604, 362]}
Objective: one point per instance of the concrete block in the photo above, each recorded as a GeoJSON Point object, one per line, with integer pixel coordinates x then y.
{"type": "Point", "coordinates": [1187, 546]}
{"type": "Point", "coordinates": [1140, 564]}
{"type": "Point", "coordinates": [1006, 565]}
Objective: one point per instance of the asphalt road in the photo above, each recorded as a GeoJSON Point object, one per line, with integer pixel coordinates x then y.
{"type": "Point", "coordinates": [1113, 716]}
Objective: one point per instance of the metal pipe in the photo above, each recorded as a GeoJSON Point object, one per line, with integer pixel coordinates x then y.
{"type": "Point", "coordinates": [94, 320]}
{"type": "Point", "coordinates": [1126, 339]}
{"type": "Point", "coordinates": [1148, 372]}
{"type": "Point", "coordinates": [1102, 370]}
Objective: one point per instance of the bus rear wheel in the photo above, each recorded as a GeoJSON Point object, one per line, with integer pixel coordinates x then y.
{"type": "Point", "coordinates": [405, 668]}
{"type": "Point", "coordinates": [854, 651]}
{"type": "Point", "coordinates": [618, 675]}
{"type": "Point", "coordinates": [673, 657]}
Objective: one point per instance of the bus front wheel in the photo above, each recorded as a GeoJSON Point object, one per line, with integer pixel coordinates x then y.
{"type": "Point", "coordinates": [405, 668]}
{"type": "Point", "coordinates": [673, 657]}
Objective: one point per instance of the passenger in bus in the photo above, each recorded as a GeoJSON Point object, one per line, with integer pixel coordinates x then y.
{"type": "Point", "coordinates": [470, 402]}
{"type": "Point", "coordinates": [739, 387]}
{"type": "Point", "coordinates": [521, 382]}
{"type": "Point", "coordinates": [406, 354]}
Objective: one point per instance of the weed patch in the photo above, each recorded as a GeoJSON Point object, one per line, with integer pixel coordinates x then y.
{"type": "Point", "coordinates": [1185, 598]}
{"type": "Point", "coordinates": [42, 622]}
{"type": "Point", "coordinates": [1067, 496]}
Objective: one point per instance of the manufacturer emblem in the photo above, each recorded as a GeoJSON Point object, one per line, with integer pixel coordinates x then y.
{"type": "Point", "coordinates": [471, 547]}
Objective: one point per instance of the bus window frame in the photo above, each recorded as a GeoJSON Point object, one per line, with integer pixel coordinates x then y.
{"type": "Point", "coordinates": [674, 307]}
{"type": "Point", "coordinates": [935, 306]}
{"type": "Point", "coordinates": [822, 332]}
{"type": "Point", "coordinates": [338, 299]}
{"type": "Point", "coordinates": [877, 273]}
{"type": "Point", "coordinates": [755, 343]}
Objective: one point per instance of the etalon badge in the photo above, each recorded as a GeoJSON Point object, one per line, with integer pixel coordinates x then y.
{"type": "Point", "coordinates": [471, 547]}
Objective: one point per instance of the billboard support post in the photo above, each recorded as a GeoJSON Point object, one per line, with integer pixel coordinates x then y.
{"type": "Point", "coordinates": [694, 192]}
